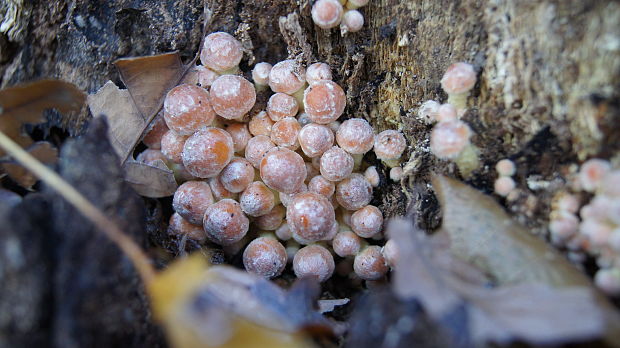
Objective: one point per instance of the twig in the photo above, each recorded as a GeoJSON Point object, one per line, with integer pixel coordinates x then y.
{"type": "Point", "coordinates": [109, 228]}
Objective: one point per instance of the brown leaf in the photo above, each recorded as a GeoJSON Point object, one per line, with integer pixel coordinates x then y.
{"type": "Point", "coordinates": [26, 103]}
{"type": "Point", "coordinates": [535, 313]}
{"type": "Point", "coordinates": [153, 181]}
{"type": "Point", "coordinates": [43, 151]}
{"type": "Point", "coordinates": [483, 234]}
{"type": "Point", "coordinates": [148, 79]}
{"type": "Point", "coordinates": [124, 120]}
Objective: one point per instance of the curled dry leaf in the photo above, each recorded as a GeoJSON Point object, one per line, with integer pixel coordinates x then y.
{"type": "Point", "coordinates": [43, 151]}
{"type": "Point", "coordinates": [124, 120]}
{"type": "Point", "coordinates": [25, 104]}
{"type": "Point", "coordinates": [153, 181]}
{"type": "Point", "coordinates": [534, 313]}
{"type": "Point", "coordinates": [482, 234]}
{"type": "Point", "coordinates": [148, 79]}
{"type": "Point", "coordinates": [201, 306]}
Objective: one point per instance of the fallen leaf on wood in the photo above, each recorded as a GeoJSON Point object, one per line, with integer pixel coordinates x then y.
{"type": "Point", "coordinates": [124, 119]}
{"type": "Point", "coordinates": [150, 180]}
{"type": "Point", "coordinates": [483, 234]}
{"type": "Point", "coordinates": [148, 79]}
{"type": "Point", "coordinates": [43, 151]}
{"type": "Point", "coordinates": [421, 282]}
{"type": "Point", "coordinates": [534, 313]}
{"type": "Point", "coordinates": [26, 103]}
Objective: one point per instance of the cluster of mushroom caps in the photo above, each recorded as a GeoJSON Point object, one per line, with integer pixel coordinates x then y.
{"type": "Point", "coordinates": [328, 14]}
{"type": "Point", "coordinates": [593, 228]}
{"type": "Point", "coordinates": [450, 137]}
{"type": "Point", "coordinates": [289, 174]}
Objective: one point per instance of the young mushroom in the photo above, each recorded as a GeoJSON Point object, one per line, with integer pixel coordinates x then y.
{"type": "Point", "coordinates": [370, 264]}
{"type": "Point", "coordinates": [356, 136]}
{"type": "Point", "coordinates": [237, 175]}
{"type": "Point", "coordinates": [287, 77]}
{"type": "Point", "coordinates": [187, 109]}
{"type": "Point", "coordinates": [314, 261]}
{"type": "Point", "coordinates": [225, 223]}
{"type": "Point", "coordinates": [389, 145]}
{"type": "Point", "coordinates": [336, 164]}
{"type": "Point", "coordinates": [281, 105]}
{"type": "Point", "coordinates": [315, 139]}
{"type": "Point", "coordinates": [367, 221]}
{"type": "Point", "coordinates": [354, 192]}
{"type": "Point", "coordinates": [221, 52]}
{"type": "Point", "coordinates": [261, 124]}
{"type": "Point", "coordinates": [310, 217]}
{"type": "Point", "coordinates": [207, 152]}
{"type": "Point", "coordinates": [283, 170]}
{"type": "Point", "coordinates": [327, 14]}
{"type": "Point", "coordinates": [180, 227]}
{"type": "Point", "coordinates": [192, 199]}
{"type": "Point", "coordinates": [346, 243]}
{"type": "Point", "coordinates": [324, 101]}
{"type": "Point", "coordinates": [172, 145]}
{"type": "Point", "coordinates": [457, 81]}
{"type": "Point", "coordinates": [265, 256]}
{"type": "Point", "coordinates": [257, 199]}
{"type": "Point", "coordinates": [318, 72]}
{"type": "Point", "coordinates": [352, 21]}
{"type": "Point", "coordinates": [285, 132]}
{"type": "Point", "coordinates": [260, 73]}
{"type": "Point", "coordinates": [232, 96]}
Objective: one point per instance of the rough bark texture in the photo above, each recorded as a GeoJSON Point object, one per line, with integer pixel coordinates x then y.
{"type": "Point", "coordinates": [548, 73]}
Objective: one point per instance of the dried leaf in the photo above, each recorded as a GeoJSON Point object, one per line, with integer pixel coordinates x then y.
{"type": "Point", "coordinates": [534, 313]}
{"type": "Point", "coordinates": [125, 122]}
{"type": "Point", "coordinates": [484, 235]}
{"type": "Point", "coordinates": [421, 282]}
{"type": "Point", "coordinates": [187, 302]}
{"type": "Point", "coordinates": [153, 181]}
{"type": "Point", "coordinates": [148, 79]}
{"type": "Point", "coordinates": [26, 103]}
{"type": "Point", "coordinates": [43, 151]}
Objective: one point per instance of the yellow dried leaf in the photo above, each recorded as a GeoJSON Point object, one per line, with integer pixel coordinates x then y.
{"type": "Point", "coordinates": [193, 322]}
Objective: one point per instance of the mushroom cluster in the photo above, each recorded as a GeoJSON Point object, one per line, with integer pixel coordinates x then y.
{"type": "Point", "coordinates": [286, 184]}
{"type": "Point", "coordinates": [450, 137]}
{"type": "Point", "coordinates": [328, 14]}
{"type": "Point", "coordinates": [593, 228]}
